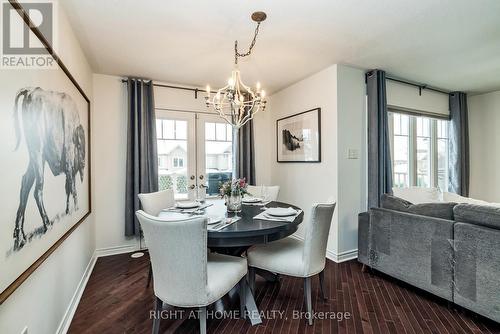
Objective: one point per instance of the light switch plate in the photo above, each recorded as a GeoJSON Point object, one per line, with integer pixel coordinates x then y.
{"type": "Point", "coordinates": [353, 154]}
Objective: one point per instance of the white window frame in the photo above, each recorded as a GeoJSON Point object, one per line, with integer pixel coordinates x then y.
{"type": "Point", "coordinates": [412, 146]}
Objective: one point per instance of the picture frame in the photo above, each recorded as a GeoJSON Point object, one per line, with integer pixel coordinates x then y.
{"type": "Point", "coordinates": [298, 137]}
{"type": "Point", "coordinates": [39, 232]}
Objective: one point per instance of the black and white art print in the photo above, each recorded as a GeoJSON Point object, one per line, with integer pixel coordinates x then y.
{"type": "Point", "coordinates": [299, 137]}
{"type": "Point", "coordinates": [45, 159]}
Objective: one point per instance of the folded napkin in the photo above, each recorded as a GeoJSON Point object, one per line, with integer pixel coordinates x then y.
{"type": "Point", "coordinates": [225, 222]}
{"type": "Point", "coordinates": [266, 216]}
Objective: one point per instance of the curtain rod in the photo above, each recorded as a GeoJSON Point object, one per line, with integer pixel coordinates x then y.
{"type": "Point", "coordinates": [195, 90]}
{"type": "Point", "coordinates": [419, 86]}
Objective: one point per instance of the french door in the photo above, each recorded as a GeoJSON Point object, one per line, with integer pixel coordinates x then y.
{"type": "Point", "coordinates": [194, 153]}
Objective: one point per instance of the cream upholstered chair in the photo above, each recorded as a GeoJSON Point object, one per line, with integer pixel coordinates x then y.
{"type": "Point", "coordinates": [152, 204]}
{"type": "Point", "coordinates": [185, 274]}
{"type": "Point", "coordinates": [295, 257]}
{"type": "Point", "coordinates": [271, 192]}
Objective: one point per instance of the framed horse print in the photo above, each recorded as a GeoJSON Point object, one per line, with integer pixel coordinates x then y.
{"type": "Point", "coordinates": [45, 158]}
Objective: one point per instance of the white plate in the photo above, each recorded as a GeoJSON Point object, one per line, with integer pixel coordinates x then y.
{"type": "Point", "coordinates": [214, 220]}
{"type": "Point", "coordinates": [187, 205]}
{"type": "Point", "coordinates": [281, 212]}
{"type": "Point", "coordinates": [251, 199]}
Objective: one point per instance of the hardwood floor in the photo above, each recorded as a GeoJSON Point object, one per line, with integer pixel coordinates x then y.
{"type": "Point", "coordinates": [116, 300]}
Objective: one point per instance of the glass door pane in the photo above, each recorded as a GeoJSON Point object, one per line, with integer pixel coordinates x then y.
{"type": "Point", "coordinates": [176, 153]}
{"type": "Point", "coordinates": [214, 152]}
{"type": "Point", "coordinates": [423, 152]}
{"type": "Point", "coordinates": [401, 142]}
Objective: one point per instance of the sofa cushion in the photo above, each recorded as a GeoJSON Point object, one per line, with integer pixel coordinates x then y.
{"type": "Point", "coordinates": [452, 197]}
{"type": "Point", "coordinates": [436, 210]}
{"type": "Point", "coordinates": [483, 215]}
{"type": "Point", "coordinates": [418, 195]}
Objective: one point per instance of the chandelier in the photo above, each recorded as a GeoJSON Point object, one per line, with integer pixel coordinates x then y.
{"type": "Point", "coordinates": [237, 103]}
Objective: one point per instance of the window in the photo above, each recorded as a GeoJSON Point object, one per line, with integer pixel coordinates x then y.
{"type": "Point", "coordinates": [419, 151]}
{"type": "Point", "coordinates": [178, 162]}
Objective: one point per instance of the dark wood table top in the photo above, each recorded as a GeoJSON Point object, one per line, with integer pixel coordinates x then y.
{"type": "Point", "coordinates": [248, 231]}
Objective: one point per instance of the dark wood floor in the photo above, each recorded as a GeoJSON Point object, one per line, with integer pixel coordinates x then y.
{"type": "Point", "coordinates": [117, 301]}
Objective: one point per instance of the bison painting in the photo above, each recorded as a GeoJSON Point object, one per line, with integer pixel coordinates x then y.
{"type": "Point", "coordinates": [54, 137]}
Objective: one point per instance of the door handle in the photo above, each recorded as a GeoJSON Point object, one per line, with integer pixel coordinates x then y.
{"type": "Point", "coordinates": [203, 186]}
{"type": "Point", "coordinates": [192, 186]}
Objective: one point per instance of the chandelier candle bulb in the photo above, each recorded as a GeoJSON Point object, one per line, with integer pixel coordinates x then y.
{"type": "Point", "coordinates": [208, 91]}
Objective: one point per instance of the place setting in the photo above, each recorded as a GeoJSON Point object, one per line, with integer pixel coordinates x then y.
{"type": "Point", "coordinates": [184, 210]}
{"type": "Point", "coordinates": [279, 214]}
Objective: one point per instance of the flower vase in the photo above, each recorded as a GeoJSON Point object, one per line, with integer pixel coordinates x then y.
{"type": "Point", "coordinates": [233, 202]}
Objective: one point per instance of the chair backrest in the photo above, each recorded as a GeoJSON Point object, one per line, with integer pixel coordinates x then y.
{"type": "Point", "coordinates": [316, 236]}
{"type": "Point", "coordinates": [178, 252]}
{"type": "Point", "coordinates": [153, 203]}
{"type": "Point", "coordinates": [272, 192]}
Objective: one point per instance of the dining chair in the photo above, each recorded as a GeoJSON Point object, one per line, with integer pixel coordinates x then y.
{"type": "Point", "coordinates": [271, 192]}
{"type": "Point", "coordinates": [185, 274]}
{"type": "Point", "coordinates": [298, 258]}
{"type": "Point", "coordinates": [152, 204]}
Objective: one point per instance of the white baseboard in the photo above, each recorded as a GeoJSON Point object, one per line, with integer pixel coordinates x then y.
{"type": "Point", "coordinates": [116, 250]}
{"type": "Point", "coordinates": [343, 256]}
{"type": "Point", "coordinates": [75, 300]}
{"type": "Point", "coordinates": [331, 255]}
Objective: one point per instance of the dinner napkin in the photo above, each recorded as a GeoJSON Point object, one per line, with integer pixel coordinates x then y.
{"type": "Point", "coordinates": [225, 222]}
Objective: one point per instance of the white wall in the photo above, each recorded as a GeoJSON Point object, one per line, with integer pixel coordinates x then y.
{"type": "Point", "coordinates": [352, 130]}
{"type": "Point", "coordinates": [42, 300]}
{"type": "Point", "coordinates": [484, 138]}
{"type": "Point", "coordinates": [305, 184]}
{"type": "Point", "coordinates": [339, 91]}
{"type": "Point", "coordinates": [110, 132]}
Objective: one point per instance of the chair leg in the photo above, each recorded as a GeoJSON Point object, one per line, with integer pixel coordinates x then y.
{"type": "Point", "coordinates": [322, 284]}
{"type": "Point", "coordinates": [251, 278]}
{"type": "Point", "coordinates": [150, 274]}
{"type": "Point", "coordinates": [203, 320]}
{"type": "Point", "coordinates": [157, 318]}
{"type": "Point", "coordinates": [242, 292]}
{"type": "Point", "coordinates": [307, 296]}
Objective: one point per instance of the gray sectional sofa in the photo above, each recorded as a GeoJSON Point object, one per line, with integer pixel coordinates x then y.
{"type": "Point", "coordinates": [450, 250]}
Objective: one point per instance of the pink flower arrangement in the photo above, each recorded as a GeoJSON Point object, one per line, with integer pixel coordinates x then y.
{"type": "Point", "coordinates": [230, 187]}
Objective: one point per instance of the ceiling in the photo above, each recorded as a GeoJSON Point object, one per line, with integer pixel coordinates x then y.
{"type": "Point", "coordinates": [450, 44]}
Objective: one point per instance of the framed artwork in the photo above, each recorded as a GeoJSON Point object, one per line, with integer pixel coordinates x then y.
{"type": "Point", "coordinates": [299, 137]}
{"type": "Point", "coordinates": [45, 154]}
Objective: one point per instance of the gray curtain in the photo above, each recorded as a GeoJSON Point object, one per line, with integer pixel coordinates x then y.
{"type": "Point", "coordinates": [142, 157]}
{"type": "Point", "coordinates": [459, 165]}
{"type": "Point", "coordinates": [246, 153]}
{"type": "Point", "coordinates": [379, 153]}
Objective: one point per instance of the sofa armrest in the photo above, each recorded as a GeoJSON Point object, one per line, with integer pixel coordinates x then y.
{"type": "Point", "coordinates": [413, 248]}
{"type": "Point", "coordinates": [363, 237]}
